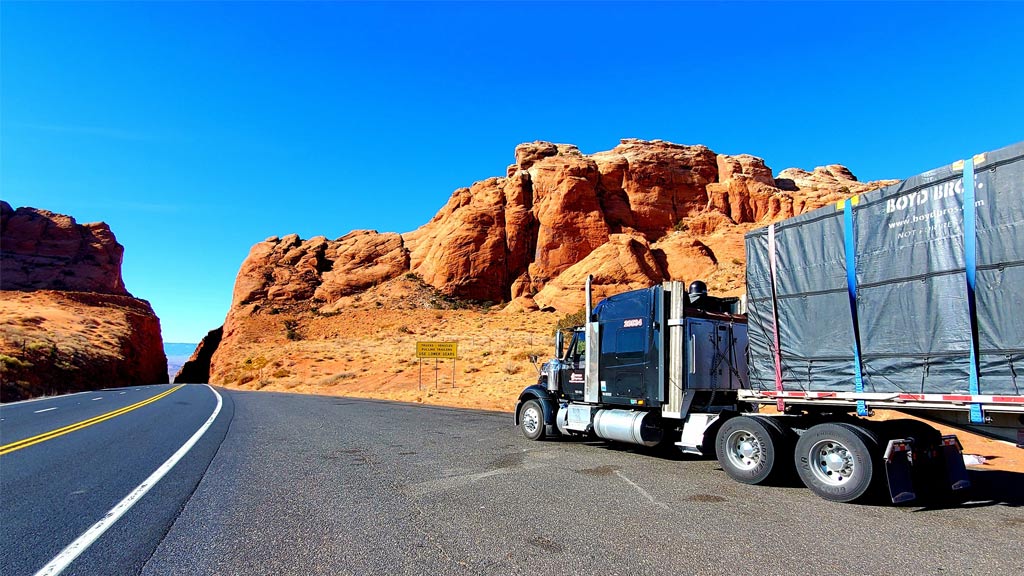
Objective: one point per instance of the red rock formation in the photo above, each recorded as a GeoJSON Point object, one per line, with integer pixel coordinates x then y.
{"type": "Point", "coordinates": [287, 270]}
{"type": "Point", "coordinates": [463, 248]}
{"type": "Point", "coordinates": [663, 182]}
{"type": "Point", "coordinates": [504, 238]}
{"type": "Point", "coordinates": [641, 213]}
{"type": "Point", "coordinates": [196, 370]}
{"type": "Point", "coordinates": [623, 263]}
{"type": "Point", "coordinates": [359, 260]}
{"type": "Point", "coordinates": [47, 251]}
{"type": "Point", "coordinates": [68, 323]}
{"type": "Point", "coordinates": [510, 237]}
{"type": "Point", "coordinates": [633, 216]}
{"type": "Point", "coordinates": [628, 262]}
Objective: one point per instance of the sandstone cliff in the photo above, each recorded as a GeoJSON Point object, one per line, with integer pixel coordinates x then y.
{"type": "Point", "coordinates": [47, 251]}
{"type": "Point", "coordinates": [196, 370]}
{"type": "Point", "coordinates": [641, 213]}
{"type": "Point", "coordinates": [67, 322]}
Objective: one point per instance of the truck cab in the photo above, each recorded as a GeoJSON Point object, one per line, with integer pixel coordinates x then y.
{"type": "Point", "coordinates": [617, 367]}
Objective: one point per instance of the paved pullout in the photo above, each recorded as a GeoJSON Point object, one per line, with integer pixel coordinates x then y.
{"type": "Point", "coordinates": [327, 485]}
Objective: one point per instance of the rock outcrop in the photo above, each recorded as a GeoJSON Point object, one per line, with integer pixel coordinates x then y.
{"type": "Point", "coordinates": [67, 321]}
{"type": "Point", "coordinates": [196, 370]}
{"type": "Point", "coordinates": [641, 213]}
{"type": "Point", "coordinates": [47, 251]}
{"type": "Point", "coordinates": [288, 269]}
{"type": "Point", "coordinates": [635, 214]}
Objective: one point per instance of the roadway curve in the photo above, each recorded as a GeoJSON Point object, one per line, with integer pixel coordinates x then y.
{"type": "Point", "coordinates": [294, 484]}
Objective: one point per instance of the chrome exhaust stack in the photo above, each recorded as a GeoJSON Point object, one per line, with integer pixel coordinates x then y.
{"type": "Point", "coordinates": [589, 308]}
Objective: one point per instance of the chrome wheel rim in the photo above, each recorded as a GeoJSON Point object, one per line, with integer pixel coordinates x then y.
{"type": "Point", "coordinates": [744, 450]}
{"type": "Point", "coordinates": [531, 420]}
{"type": "Point", "coordinates": [831, 462]}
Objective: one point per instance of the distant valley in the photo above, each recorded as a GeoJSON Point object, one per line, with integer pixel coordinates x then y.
{"type": "Point", "coordinates": [177, 353]}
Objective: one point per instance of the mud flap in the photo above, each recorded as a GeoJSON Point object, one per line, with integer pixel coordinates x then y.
{"type": "Point", "coordinates": [953, 457]}
{"type": "Point", "coordinates": [899, 470]}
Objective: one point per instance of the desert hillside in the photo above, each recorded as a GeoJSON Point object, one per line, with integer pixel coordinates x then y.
{"type": "Point", "coordinates": [67, 322]}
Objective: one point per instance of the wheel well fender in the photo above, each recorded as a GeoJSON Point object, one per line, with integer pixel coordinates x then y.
{"type": "Point", "coordinates": [540, 394]}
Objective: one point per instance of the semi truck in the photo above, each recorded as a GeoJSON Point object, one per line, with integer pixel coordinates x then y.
{"type": "Point", "coordinates": [906, 298]}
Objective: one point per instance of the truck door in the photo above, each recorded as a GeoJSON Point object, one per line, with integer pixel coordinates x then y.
{"type": "Point", "coordinates": [622, 363]}
{"type": "Point", "coordinates": [573, 376]}
{"type": "Point", "coordinates": [626, 333]}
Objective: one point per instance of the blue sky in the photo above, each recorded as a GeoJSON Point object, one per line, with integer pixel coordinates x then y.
{"type": "Point", "coordinates": [198, 129]}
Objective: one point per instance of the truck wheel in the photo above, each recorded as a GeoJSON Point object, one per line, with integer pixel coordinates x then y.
{"type": "Point", "coordinates": [531, 420]}
{"type": "Point", "coordinates": [746, 448]}
{"type": "Point", "coordinates": [785, 439]}
{"type": "Point", "coordinates": [836, 461]}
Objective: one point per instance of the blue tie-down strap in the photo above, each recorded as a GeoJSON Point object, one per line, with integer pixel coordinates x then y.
{"type": "Point", "coordinates": [971, 265]}
{"type": "Point", "coordinates": [851, 286]}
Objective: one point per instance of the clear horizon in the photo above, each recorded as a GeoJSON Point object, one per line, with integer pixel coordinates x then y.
{"type": "Point", "coordinates": [196, 130]}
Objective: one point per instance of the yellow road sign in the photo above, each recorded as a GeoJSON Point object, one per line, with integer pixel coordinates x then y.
{"type": "Point", "coordinates": [437, 349]}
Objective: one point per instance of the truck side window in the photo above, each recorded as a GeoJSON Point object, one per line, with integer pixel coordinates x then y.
{"type": "Point", "coordinates": [577, 349]}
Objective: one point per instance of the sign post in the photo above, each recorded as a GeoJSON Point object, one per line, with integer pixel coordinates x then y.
{"type": "Point", "coordinates": [437, 350]}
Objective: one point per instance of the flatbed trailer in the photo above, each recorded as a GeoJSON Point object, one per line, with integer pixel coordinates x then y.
{"type": "Point", "coordinates": [903, 298]}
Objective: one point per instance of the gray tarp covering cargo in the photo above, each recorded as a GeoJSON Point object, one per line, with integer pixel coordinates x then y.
{"type": "Point", "coordinates": [908, 310]}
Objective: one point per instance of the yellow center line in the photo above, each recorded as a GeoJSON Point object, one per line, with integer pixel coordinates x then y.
{"type": "Point", "coordinates": [13, 446]}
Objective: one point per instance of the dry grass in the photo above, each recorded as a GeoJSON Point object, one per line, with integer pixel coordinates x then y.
{"type": "Point", "coordinates": [366, 347]}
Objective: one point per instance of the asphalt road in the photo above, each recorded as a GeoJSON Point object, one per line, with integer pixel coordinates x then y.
{"type": "Point", "coordinates": [292, 484]}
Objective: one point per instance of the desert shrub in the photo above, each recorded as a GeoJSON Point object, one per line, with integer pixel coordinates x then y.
{"type": "Point", "coordinates": [37, 346]}
{"type": "Point", "coordinates": [338, 378]}
{"type": "Point", "coordinates": [526, 354]}
{"type": "Point", "coordinates": [281, 373]}
{"type": "Point", "coordinates": [569, 321]}
{"type": "Point", "coordinates": [289, 330]}
{"type": "Point", "coordinates": [12, 363]}
{"type": "Point", "coordinates": [512, 368]}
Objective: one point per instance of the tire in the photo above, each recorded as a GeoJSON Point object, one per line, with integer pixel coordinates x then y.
{"type": "Point", "coordinates": [838, 461]}
{"type": "Point", "coordinates": [784, 472]}
{"type": "Point", "coordinates": [531, 420]}
{"type": "Point", "coordinates": [747, 449]}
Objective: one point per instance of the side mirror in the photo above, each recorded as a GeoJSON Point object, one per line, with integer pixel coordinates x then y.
{"type": "Point", "coordinates": [559, 344]}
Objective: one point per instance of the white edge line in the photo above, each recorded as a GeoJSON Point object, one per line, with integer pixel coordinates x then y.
{"type": "Point", "coordinates": [82, 543]}
{"type": "Point", "coordinates": [44, 410]}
